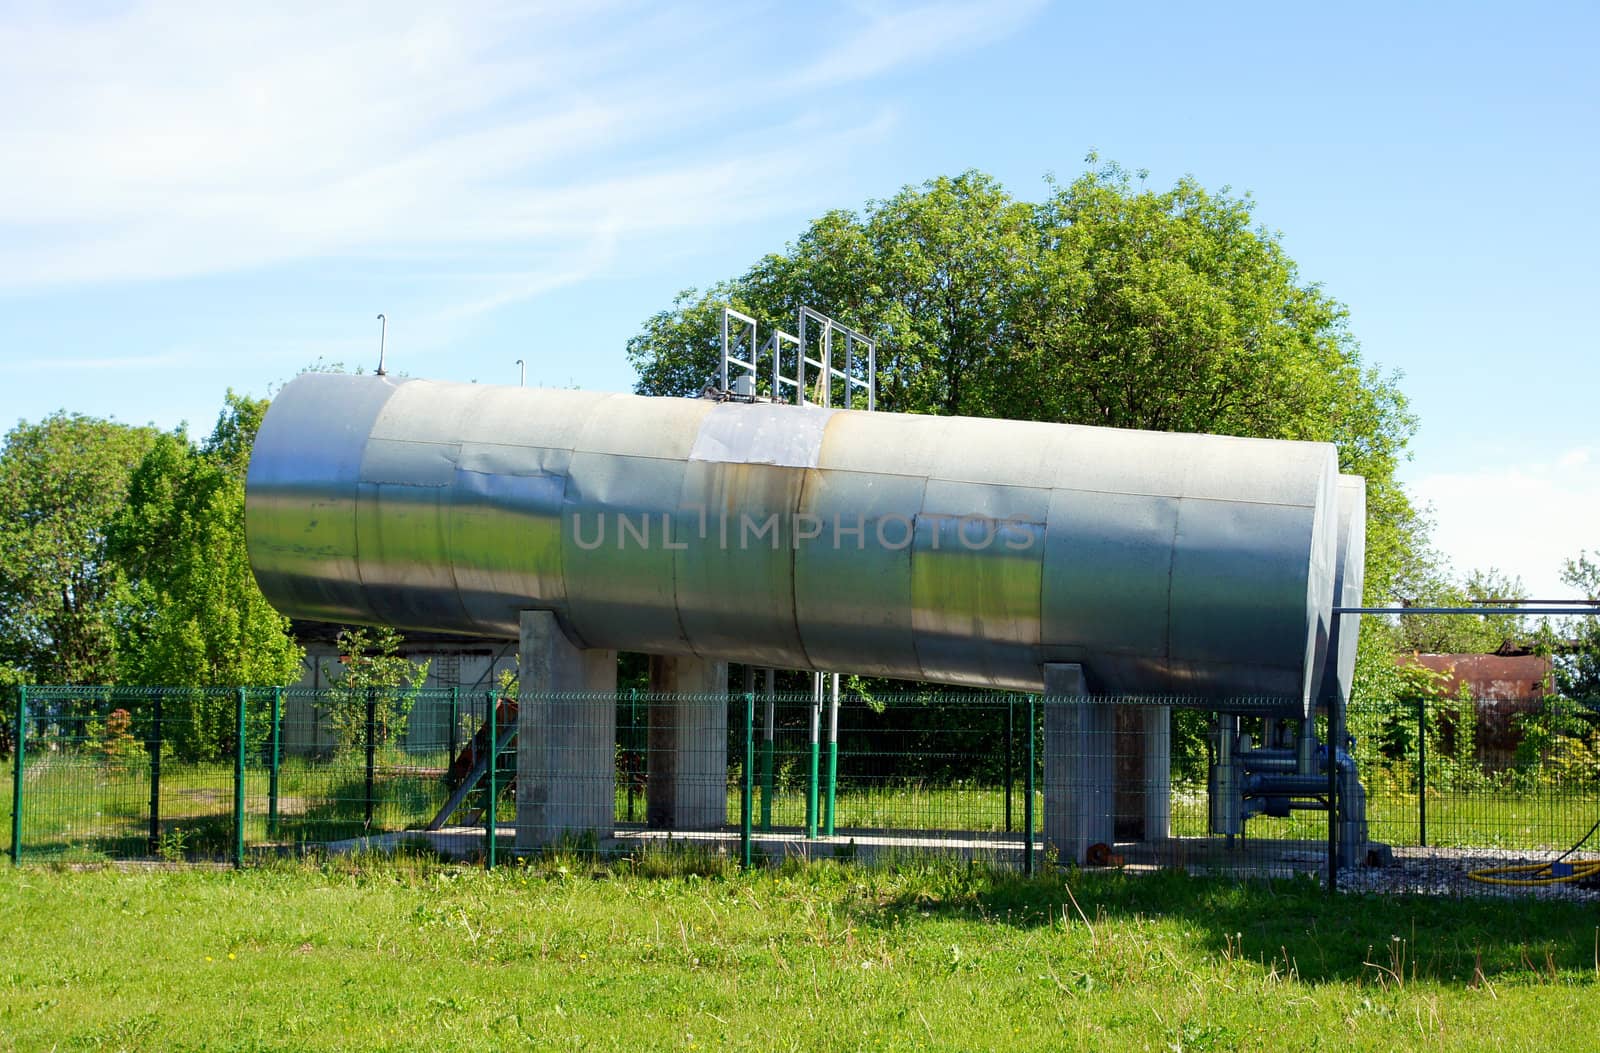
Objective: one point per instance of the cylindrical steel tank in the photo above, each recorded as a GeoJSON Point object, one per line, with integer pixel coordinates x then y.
{"type": "Point", "coordinates": [1349, 581]}
{"type": "Point", "coordinates": [957, 550]}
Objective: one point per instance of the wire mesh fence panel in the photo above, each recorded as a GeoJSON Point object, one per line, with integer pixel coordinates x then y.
{"type": "Point", "coordinates": [1461, 787]}
{"type": "Point", "coordinates": [340, 767]}
{"type": "Point", "coordinates": [1424, 792]}
{"type": "Point", "coordinates": [128, 773]}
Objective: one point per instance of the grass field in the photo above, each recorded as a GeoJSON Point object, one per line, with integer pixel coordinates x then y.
{"type": "Point", "coordinates": [681, 953]}
{"type": "Point", "coordinates": [81, 809]}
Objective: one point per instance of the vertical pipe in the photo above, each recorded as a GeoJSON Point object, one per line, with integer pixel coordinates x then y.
{"type": "Point", "coordinates": [155, 775]}
{"type": "Point", "coordinates": [276, 760]}
{"type": "Point", "coordinates": [1010, 749]}
{"type": "Point", "coordinates": [1422, 772]}
{"type": "Point", "coordinates": [833, 756]}
{"type": "Point", "coordinates": [748, 780]}
{"type": "Point", "coordinates": [1027, 800]}
{"type": "Point", "coordinates": [811, 781]}
{"type": "Point", "coordinates": [372, 753]}
{"type": "Point", "coordinates": [238, 782]}
{"type": "Point", "coordinates": [768, 749]}
{"type": "Point", "coordinates": [491, 810]}
{"type": "Point", "coordinates": [18, 759]}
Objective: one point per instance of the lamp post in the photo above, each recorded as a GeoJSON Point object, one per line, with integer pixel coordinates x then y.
{"type": "Point", "coordinates": [383, 339]}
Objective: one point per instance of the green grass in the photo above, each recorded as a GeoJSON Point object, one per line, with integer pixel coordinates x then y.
{"type": "Point", "coordinates": [663, 952]}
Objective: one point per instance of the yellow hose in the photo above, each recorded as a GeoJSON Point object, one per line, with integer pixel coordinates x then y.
{"type": "Point", "coordinates": [1538, 874]}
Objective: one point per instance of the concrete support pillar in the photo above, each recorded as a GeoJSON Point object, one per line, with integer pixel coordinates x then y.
{"type": "Point", "coordinates": [686, 784]}
{"type": "Point", "coordinates": [1143, 772]}
{"type": "Point", "coordinates": [1157, 772]}
{"type": "Point", "coordinates": [1079, 764]}
{"type": "Point", "coordinates": [566, 746]}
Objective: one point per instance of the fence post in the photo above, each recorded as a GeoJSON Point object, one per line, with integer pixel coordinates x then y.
{"type": "Point", "coordinates": [238, 782]}
{"type": "Point", "coordinates": [632, 754]}
{"type": "Point", "coordinates": [1027, 800]}
{"type": "Point", "coordinates": [768, 750]}
{"type": "Point", "coordinates": [372, 753]}
{"type": "Point", "coordinates": [276, 761]}
{"type": "Point", "coordinates": [154, 747]}
{"type": "Point", "coordinates": [811, 782]}
{"type": "Point", "coordinates": [19, 758]}
{"type": "Point", "coordinates": [491, 810]}
{"type": "Point", "coordinates": [833, 756]}
{"type": "Point", "coordinates": [746, 802]}
{"type": "Point", "coordinates": [455, 720]}
{"type": "Point", "coordinates": [1010, 749]}
{"type": "Point", "coordinates": [1422, 772]}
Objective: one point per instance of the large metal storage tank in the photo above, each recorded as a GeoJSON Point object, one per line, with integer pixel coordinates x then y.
{"type": "Point", "coordinates": [957, 550]}
{"type": "Point", "coordinates": [1349, 582]}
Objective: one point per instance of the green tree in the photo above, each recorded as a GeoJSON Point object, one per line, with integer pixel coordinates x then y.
{"type": "Point", "coordinates": [1455, 633]}
{"type": "Point", "coordinates": [193, 616]}
{"type": "Point", "coordinates": [1578, 672]}
{"type": "Point", "coordinates": [371, 669]}
{"type": "Point", "coordinates": [62, 482]}
{"type": "Point", "coordinates": [1107, 303]}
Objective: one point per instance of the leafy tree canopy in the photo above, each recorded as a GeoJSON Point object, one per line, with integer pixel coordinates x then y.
{"type": "Point", "coordinates": [1106, 303]}
{"type": "Point", "coordinates": [1461, 634]}
{"type": "Point", "coordinates": [62, 481]}
{"type": "Point", "coordinates": [1578, 673]}
{"type": "Point", "coordinates": [194, 615]}
{"type": "Point", "coordinates": [372, 672]}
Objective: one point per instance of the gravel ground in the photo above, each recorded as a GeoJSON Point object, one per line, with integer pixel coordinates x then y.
{"type": "Point", "coordinates": [1443, 872]}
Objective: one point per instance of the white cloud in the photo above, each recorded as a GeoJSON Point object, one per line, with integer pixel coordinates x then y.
{"type": "Point", "coordinates": [1523, 518]}
{"type": "Point", "coordinates": [917, 34]}
{"type": "Point", "coordinates": [171, 140]}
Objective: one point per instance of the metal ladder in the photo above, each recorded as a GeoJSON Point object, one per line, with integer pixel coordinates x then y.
{"type": "Point", "coordinates": [832, 338]}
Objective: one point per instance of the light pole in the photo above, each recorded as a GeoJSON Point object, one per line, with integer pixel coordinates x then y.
{"type": "Point", "coordinates": [522, 377]}
{"type": "Point", "coordinates": [383, 339]}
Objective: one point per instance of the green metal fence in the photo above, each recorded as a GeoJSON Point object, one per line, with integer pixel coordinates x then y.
{"type": "Point", "coordinates": [228, 775]}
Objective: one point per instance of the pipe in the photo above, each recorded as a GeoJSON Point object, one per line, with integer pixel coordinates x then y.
{"type": "Point", "coordinates": [1223, 789]}
{"type": "Point", "coordinates": [1268, 784]}
{"type": "Point", "coordinates": [1269, 761]}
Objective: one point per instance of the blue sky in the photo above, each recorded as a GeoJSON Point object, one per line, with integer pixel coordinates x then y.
{"type": "Point", "coordinates": [195, 198]}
